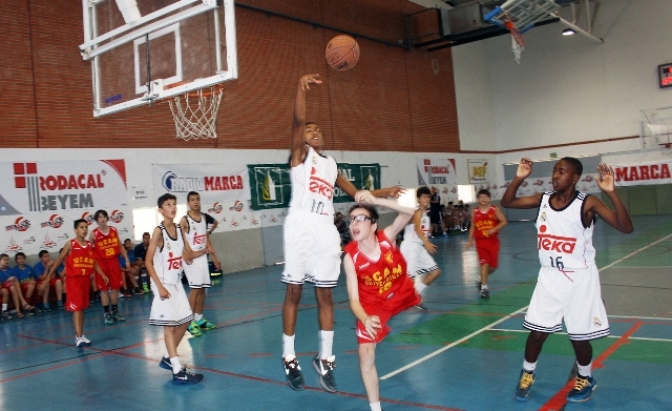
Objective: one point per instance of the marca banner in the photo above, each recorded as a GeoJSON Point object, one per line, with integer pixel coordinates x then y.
{"type": "Point", "coordinates": [30, 233]}
{"type": "Point", "coordinates": [643, 174]}
{"type": "Point", "coordinates": [271, 187]}
{"type": "Point", "coordinates": [212, 182]}
{"type": "Point", "coordinates": [478, 171]}
{"type": "Point", "coordinates": [61, 186]}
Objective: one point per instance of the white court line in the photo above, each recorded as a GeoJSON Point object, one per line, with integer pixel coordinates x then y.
{"type": "Point", "coordinates": [609, 336]}
{"type": "Point", "coordinates": [475, 333]}
{"type": "Point", "coordinates": [449, 346]}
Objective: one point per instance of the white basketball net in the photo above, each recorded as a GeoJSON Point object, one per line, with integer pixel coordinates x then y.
{"type": "Point", "coordinates": [195, 114]}
{"type": "Point", "coordinates": [517, 49]}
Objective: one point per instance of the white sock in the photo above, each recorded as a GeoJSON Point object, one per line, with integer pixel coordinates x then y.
{"type": "Point", "coordinates": [166, 354]}
{"type": "Point", "coordinates": [585, 370]}
{"type": "Point", "coordinates": [420, 287]}
{"type": "Point", "coordinates": [529, 366]}
{"type": "Point", "coordinates": [175, 362]}
{"type": "Point", "coordinates": [484, 286]}
{"type": "Point", "coordinates": [375, 406]}
{"type": "Point", "coordinates": [326, 344]}
{"type": "Point", "coordinates": [287, 345]}
{"type": "Point", "coordinates": [4, 307]}
{"type": "Point", "coordinates": [198, 317]}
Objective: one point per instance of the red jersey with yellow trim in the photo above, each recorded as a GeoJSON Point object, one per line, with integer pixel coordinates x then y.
{"type": "Point", "coordinates": [382, 283]}
{"type": "Point", "coordinates": [80, 260]}
{"type": "Point", "coordinates": [106, 245]}
{"type": "Point", "coordinates": [484, 221]}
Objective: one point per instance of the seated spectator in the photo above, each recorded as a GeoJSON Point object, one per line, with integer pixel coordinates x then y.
{"type": "Point", "coordinates": [11, 284]}
{"type": "Point", "coordinates": [129, 274]}
{"type": "Point", "coordinates": [24, 273]}
{"type": "Point", "coordinates": [140, 252]}
{"type": "Point", "coordinates": [41, 269]}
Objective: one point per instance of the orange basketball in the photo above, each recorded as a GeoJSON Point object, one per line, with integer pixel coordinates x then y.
{"type": "Point", "coordinates": [342, 52]}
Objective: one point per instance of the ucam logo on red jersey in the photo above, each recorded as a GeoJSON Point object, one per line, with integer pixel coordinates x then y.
{"type": "Point", "coordinates": [211, 181]}
{"type": "Point", "coordinates": [43, 186]}
{"type": "Point", "coordinates": [550, 242]}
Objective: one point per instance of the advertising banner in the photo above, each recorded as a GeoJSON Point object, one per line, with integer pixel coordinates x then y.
{"type": "Point", "coordinates": [213, 182]}
{"type": "Point", "coordinates": [270, 184]}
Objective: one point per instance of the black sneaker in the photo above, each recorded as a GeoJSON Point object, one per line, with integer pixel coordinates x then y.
{"type": "Point", "coordinates": [186, 377]}
{"type": "Point", "coordinates": [485, 293]}
{"type": "Point", "coordinates": [165, 364]}
{"type": "Point", "coordinates": [524, 385]}
{"type": "Point", "coordinates": [293, 373]}
{"type": "Point", "coordinates": [421, 306]}
{"type": "Point", "coordinates": [325, 369]}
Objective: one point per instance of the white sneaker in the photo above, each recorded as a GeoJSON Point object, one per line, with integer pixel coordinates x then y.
{"type": "Point", "coordinates": [86, 340]}
{"type": "Point", "coordinates": [79, 343]}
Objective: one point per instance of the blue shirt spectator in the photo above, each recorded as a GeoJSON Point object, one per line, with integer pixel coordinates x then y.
{"type": "Point", "coordinates": [23, 274]}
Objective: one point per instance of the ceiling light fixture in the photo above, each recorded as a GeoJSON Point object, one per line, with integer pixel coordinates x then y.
{"type": "Point", "coordinates": [568, 32]}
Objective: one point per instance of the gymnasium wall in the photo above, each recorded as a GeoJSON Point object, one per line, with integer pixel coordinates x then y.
{"type": "Point", "coordinates": [394, 100]}
{"type": "Point", "coordinates": [566, 90]}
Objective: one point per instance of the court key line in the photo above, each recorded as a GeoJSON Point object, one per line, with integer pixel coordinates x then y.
{"type": "Point", "coordinates": [475, 333]}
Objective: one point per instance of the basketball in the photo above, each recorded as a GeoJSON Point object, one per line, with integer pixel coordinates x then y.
{"type": "Point", "coordinates": [342, 52]}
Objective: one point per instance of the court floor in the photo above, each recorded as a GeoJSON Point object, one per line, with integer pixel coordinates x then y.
{"type": "Point", "coordinates": [464, 353]}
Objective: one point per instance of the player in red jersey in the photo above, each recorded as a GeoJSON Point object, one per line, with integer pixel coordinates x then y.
{"type": "Point", "coordinates": [107, 246]}
{"type": "Point", "coordinates": [378, 285]}
{"type": "Point", "coordinates": [486, 222]}
{"type": "Point", "coordinates": [80, 264]}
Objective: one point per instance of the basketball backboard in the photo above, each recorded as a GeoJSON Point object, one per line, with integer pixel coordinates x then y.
{"type": "Point", "coordinates": [142, 51]}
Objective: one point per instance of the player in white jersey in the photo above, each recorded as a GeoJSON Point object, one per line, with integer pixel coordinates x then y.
{"type": "Point", "coordinates": [170, 307]}
{"type": "Point", "coordinates": [416, 247]}
{"type": "Point", "coordinates": [568, 286]}
{"type": "Point", "coordinates": [197, 245]}
{"type": "Point", "coordinates": [311, 241]}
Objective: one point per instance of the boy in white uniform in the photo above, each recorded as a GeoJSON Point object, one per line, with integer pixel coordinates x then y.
{"type": "Point", "coordinates": [416, 247]}
{"type": "Point", "coordinates": [170, 307]}
{"type": "Point", "coordinates": [568, 286]}
{"type": "Point", "coordinates": [197, 246]}
{"type": "Point", "coordinates": [311, 241]}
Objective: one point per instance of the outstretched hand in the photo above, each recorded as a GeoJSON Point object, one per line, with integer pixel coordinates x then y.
{"type": "Point", "coordinates": [524, 168]}
{"type": "Point", "coordinates": [305, 81]}
{"type": "Point", "coordinates": [364, 196]}
{"type": "Point", "coordinates": [606, 178]}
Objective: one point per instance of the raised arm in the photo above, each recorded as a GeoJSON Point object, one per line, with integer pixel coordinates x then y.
{"type": "Point", "coordinates": [509, 199]}
{"type": "Point", "coordinates": [619, 218]}
{"type": "Point", "coordinates": [298, 148]}
{"type": "Point", "coordinates": [402, 219]}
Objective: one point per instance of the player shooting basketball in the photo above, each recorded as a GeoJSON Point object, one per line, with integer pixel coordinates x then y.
{"type": "Point", "coordinates": [311, 241]}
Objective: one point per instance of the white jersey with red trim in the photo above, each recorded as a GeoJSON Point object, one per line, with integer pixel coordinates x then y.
{"type": "Point", "coordinates": [168, 260]}
{"type": "Point", "coordinates": [562, 240]}
{"type": "Point", "coordinates": [313, 184]}
{"type": "Point", "coordinates": [197, 236]}
{"type": "Point", "coordinates": [425, 225]}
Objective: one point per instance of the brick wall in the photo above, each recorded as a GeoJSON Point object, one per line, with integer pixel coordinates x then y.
{"type": "Point", "coordinates": [394, 100]}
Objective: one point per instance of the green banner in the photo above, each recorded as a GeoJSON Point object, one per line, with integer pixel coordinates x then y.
{"type": "Point", "coordinates": [271, 187]}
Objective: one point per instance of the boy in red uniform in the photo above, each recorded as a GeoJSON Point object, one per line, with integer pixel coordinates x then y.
{"type": "Point", "coordinates": [377, 283]}
{"type": "Point", "coordinates": [107, 246]}
{"type": "Point", "coordinates": [486, 222]}
{"type": "Point", "coordinates": [80, 264]}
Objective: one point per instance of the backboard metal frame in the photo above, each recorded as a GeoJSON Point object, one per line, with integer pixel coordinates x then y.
{"type": "Point", "coordinates": [152, 25]}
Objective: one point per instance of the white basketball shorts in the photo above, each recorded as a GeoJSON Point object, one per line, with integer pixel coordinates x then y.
{"type": "Point", "coordinates": [418, 259]}
{"type": "Point", "coordinates": [198, 272]}
{"type": "Point", "coordinates": [312, 249]}
{"type": "Point", "coordinates": [572, 294]}
{"type": "Point", "coordinates": [172, 311]}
